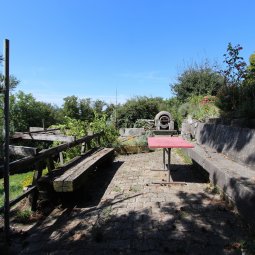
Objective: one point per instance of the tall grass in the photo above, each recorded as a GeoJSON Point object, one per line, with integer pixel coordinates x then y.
{"type": "Point", "coordinates": [17, 183]}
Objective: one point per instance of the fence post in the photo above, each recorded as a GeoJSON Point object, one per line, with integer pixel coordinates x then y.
{"type": "Point", "coordinates": [37, 176]}
{"type": "Point", "coordinates": [6, 141]}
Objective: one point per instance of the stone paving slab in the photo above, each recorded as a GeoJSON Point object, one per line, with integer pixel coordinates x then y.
{"type": "Point", "coordinates": [135, 216]}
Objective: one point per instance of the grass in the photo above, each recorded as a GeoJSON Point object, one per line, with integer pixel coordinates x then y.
{"type": "Point", "coordinates": [135, 188]}
{"type": "Point", "coordinates": [184, 156]}
{"type": "Point", "coordinates": [117, 189]}
{"type": "Point", "coordinates": [17, 183]}
{"type": "Point", "coordinates": [23, 216]}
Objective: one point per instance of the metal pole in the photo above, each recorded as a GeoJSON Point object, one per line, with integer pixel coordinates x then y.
{"type": "Point", "coordinates": [168, 163]}
{"type": "Point", "coordinates": [6, 140]}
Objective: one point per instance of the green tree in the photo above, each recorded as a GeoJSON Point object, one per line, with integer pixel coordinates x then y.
{"type": "Point", "coordinates": [13, 80]}
{"type": "Point", "coordinates": [236, 69]}
{"type": "Point", "coordinates": [86, 111]}
{"type": "Point", "coordinates": [98, 106]}
{"type": "Point", "coordinates": [137, 108]}
{"type": "Point", "coordinates": [197, 80]}
{"type": "Point", "coordinates": [25, 111]}
{"type": "Point", "coordinates": [235, 72]}
{"type": "Point", "coordinates": [247, 92]}
{"type": "Point", "coordinates": [71, 107]}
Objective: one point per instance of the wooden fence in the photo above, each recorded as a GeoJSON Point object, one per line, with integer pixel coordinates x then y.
{"type": "Point", "coordinates": [42, 158]}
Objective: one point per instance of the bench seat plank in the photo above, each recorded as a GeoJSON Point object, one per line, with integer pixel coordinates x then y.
{"type": "Point", "coordinates": [74, 177]}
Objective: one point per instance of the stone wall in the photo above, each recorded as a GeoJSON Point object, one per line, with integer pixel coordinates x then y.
{"type": "Point", "coordinates": [131, 131]}
{"type": "Point", "coordinates": [236, 143]}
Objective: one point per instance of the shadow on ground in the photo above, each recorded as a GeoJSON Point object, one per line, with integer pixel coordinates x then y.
{"type": "Point", "coordinates": [187, 173]}
{"type": "Point", "coordinates": [193, 228]}
{"type": "Point", "coordinates": [91, 193]}
{"type": "Point", "coordinates": [191, 223]}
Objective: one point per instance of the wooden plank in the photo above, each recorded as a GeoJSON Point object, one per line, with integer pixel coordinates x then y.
{"type": "Point", "coordinates": [23, 151]}
{"type": "Point", "coordinates": [43, 137]}
{"type": "Point", "coordinates": [41, 130]}
{"type": "Point", "coordinates": [19, 198]}
{"type": "Point", "coordinates": [36, 129]}
{"type": "Point", "coordinates": [50, 164]}
{"type": "Point", "coordinates": [76, 160]}
{"type": "Point", "coordinates": [24, 163]}
{"type": "Point", "coordinates": [73, 178]}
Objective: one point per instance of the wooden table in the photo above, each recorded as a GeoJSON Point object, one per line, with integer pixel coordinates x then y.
{"type": "Point", "coordinates": [167, 143]}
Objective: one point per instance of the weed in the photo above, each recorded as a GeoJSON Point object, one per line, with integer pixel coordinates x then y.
{"type": "Point", "coordinates": [23, 216]}
{"type": "Point", "coordinates": [183, 215]}
{"type": "Point", "coordinates": [135, 188]}
{"type": "Point", "coordinates": [106, 212]}
{"type": "Point", "coordinates": [184, 156]}
{"type": "Point", "coordinates": [117, 189]}
{"type": "Point", "coordinates": [215, 190]}
{"type": "Point", "coordinates": [17, 183]}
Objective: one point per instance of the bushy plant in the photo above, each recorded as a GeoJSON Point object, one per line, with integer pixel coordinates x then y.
{"type": "Point", "coordinates": [137, 108]}
{"type": "Point", "coordinates": [200, 108]}
{"type": "Point", "coordinates": [79, 128]}
{"type": "Point", "coordinates": [237, 96]}
{"type": "Point", "coordinates": [110, 134]}
{"type": "Point", "coordinates": [197, 80]}
{"type": "Point", "coordinates": [72, 127]}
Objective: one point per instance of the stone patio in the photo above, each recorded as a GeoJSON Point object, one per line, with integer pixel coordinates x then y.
{"type": "Point", "coordinates": [121, 211]}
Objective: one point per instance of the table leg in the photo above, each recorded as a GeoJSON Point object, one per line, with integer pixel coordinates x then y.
{"type": "Point", "coordinates": [168, 164]}
{"type": "Point", "coordinates": [164, 158]}
{"type": "Point", "coordinates": [170, 180]}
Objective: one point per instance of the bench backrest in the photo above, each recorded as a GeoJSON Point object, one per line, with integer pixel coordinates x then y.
{"type": "Point", "coordinates": [236, 143]}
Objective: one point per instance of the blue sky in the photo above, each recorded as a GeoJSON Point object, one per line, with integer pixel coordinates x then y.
{"type": "Point", "coordinates": [90, 48]}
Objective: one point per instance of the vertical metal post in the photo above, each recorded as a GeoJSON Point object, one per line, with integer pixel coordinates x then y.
{"type": "Point", "coordinates": [168, 163]}
{"type": "Point", "coordinates": [164, 158]}
{"type": "Point", "coordinates": [6, 140]}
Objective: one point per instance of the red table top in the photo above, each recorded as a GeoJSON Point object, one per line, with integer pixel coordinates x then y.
{"type": "Point", "coordinates": [168, 142]}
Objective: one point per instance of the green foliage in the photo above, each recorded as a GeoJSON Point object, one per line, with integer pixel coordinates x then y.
{"type": "Point", "coordinates": [186, 159]}
{"type": "Point", "coordinates": [82, 109]}
{"type": "Point", "coordinates": [86, 110]}
{"type": "Point", "coordinates": [172, 105]}
{"type": "Point", "coordinates": [251, 67]}
{"type": "Point", "coordinates": [79, 128]}
{"type": "Point", "coordinates": [23, 216]}
{"type": "Point", "coordinates": [138, 108]}
{"type": "Point", "coordinates": [17, 182]}
{"type": "Point", "coordinates": [72, 127]}
{"type": "Point", "coordinates": [197, 80]}
{"type": "Point", "coordinates": [237, 96]}
{"type": "Point", "coordinates": [110, 133]}
{"type": "Point", "coordinates": [13, 82]}
{"type": "Point", "coordinates": [235, 70]}
{"type": "Point", "coordinates": [26, 111]}
{"type": "Point", "coordinates": [141, 123]}
{"type": "Point", "coordinates": [71, 107]}
{"type": "Point", "coordinates": [199, 108]}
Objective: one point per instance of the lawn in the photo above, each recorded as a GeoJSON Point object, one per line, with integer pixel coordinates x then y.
{"type": "Point", "coordinates": [17, 183]}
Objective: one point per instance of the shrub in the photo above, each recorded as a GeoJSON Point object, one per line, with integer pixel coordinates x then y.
{"type": "Point", "coordinates": [200, 108]}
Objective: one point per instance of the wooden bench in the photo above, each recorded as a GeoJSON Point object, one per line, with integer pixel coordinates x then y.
{"type": "Point", "coordinates": [227, 154]}
{"type": "Point", "coordinates": [73, 178]}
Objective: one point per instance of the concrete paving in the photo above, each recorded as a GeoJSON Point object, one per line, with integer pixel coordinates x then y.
{"type": "Point", "coordinates": [122, 211]}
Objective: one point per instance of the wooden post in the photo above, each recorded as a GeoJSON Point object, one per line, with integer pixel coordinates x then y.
{"type": "Point", "coordinates": [61, 158]}
{"type": "Point", "coordinates": [83, 148]}
{"type": "Point", "coordinates": [50, 164]}
{"type": "Point", "coordinates": [6, 141]}
{"type": "Point", "coordinates": [37, 176]}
